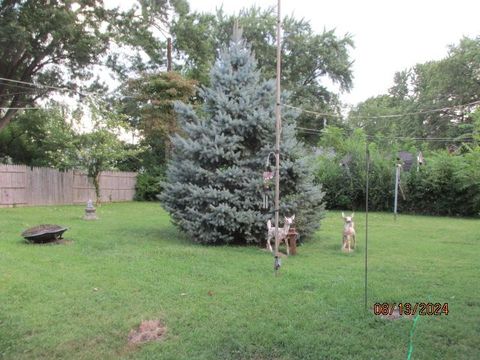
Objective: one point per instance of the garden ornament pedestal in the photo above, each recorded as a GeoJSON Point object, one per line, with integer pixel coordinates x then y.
{"type": "Point", "coordinates": [90, 211]}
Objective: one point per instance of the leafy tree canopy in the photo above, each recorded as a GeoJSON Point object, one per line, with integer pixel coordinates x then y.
{"type": "Point", "coordinates": [443, 84]}
{"type": "Point", "coordinates": [40, 138]}
{"type": "Point", "coordinates": [308, 59]}
{"type": "Point", "coordinates": [101, 149]}
{"type": "Point", "coordinates": [58, 42]}
{"type": "Point", "coordinates": [149, 99]}
{"type": "Point", "coordinates": [148, 107]}
{"type": "Point", "coordinates": [43, 138]}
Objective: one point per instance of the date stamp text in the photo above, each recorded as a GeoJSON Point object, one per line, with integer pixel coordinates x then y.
{"type": "Point", "coordinates": [422, 309]}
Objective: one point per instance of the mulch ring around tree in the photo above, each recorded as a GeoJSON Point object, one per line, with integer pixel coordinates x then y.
{"type": "Point", "coordinates": [149, 330]}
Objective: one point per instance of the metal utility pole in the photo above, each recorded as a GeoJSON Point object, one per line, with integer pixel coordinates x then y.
{"type": "Point", "coordinates": [169, 54]}
{"type": "Point", "coordinates": [367, 157]}
{"type": "Point", "coordinates": [397, 179]}
{"type": "Point", "coordinates": [278, 127]}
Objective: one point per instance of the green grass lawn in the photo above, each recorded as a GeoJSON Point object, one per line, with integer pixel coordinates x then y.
{"type": "Point", "coordinates": [79, 301]}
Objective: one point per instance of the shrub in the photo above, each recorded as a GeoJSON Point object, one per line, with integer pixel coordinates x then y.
{"type": "Point", "coordinates": [148, 184]}
{"type": "Point", "coordinates": [447, 185]}
{"type": "Point", "coordinates": [341, 169]}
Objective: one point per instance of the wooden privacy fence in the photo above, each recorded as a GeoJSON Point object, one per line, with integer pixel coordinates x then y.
{"type": "Point", "coordinates": [21, 185]}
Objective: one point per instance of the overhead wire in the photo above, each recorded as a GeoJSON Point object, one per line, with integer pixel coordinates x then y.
{"type": "Point", "coordinates": [420, 112]}
{"type": "Point", "coordinates": [16, 93]}
{"type": "Point", "coordinates": [17, 86]}
{"type": "Point", "coordinates": [37, 84]}
{"type": "Point", "coordinates": [20, 108]}
{"type": "Point", "coordinates": [319, 131]}
{"type": "Point", "coordinates": [452, 139]}
{"type": "Point", "coordinates": [406, 138]}
{"type": "Point", "coordinates": [39, 87]}
{"type": "Point", "coordinates": [44, 86]}
{"type": "Point", "coordinates": [34, 86]}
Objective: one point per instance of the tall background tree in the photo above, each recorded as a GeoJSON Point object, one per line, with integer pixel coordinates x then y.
{"type": "Point", "coordinates": [148, 107]}
{"type": "Point", "coordinates": [58, 43]}
{"type": "Point", "coordinates": [310, 61]}
{"type": "Point", "coordinates": [444, 84]}
{"type": "Point", "coordinates": [214, 180]}
{"type": "Point", "coordinates": [62, 47]}
{"type": "Point", "coordinates": [437, 101]}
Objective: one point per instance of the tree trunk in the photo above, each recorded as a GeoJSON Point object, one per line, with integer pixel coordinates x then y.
{"type": "Point", "coordinates": [5, 120]}
{"type": "Point", "coordinates": [96, 184]}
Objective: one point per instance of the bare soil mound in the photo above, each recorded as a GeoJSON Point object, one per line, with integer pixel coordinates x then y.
{"type": "Point", "coordinates": [149, 330]}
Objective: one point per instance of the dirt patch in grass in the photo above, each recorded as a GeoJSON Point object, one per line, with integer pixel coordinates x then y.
{"type": "Point", "coordinates": [54, 242]}
{"type": "Point", "coordinates": [62, 242]}
{"type": "Point", "coordinates": [149, 330]}
{"type": "Point", "coordinates": [395, 315]}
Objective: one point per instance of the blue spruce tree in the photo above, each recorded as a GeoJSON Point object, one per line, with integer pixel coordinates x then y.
{"type": "Point", "coordinates": [214, 183]}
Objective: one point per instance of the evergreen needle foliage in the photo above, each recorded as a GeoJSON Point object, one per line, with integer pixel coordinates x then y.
{"type": "Point", "coordinates": [214, 183]}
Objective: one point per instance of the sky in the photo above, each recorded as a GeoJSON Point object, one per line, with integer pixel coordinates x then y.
{"type": "Point", "coordinates": [389, 35]}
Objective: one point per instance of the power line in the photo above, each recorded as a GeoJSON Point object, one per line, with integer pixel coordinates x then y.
{"type": "Point", "coordinates": [456, 139]}
{"type": "Point", "coordinates": [16, 93]}
{"type": "Point", "coordinates": [301, 129]}
{"type": "Point", "coordinates": [20, 108]}
{"type": "Point", "coordinates": [406, 138]}
{"type": "Point", "coordinates": [387, 116]}
{"type": "Point", "coordinates": [43, 86]}
{"type": "Point", "coordinates": [38, 85]}
{"type": "Point", "coordinates": [17, 86]}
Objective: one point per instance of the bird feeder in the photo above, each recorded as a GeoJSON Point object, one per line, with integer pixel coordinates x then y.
{"type": "Point", "coordinates": [405, 158]}
{"type": "Point", "coordinates": [268, 176]}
